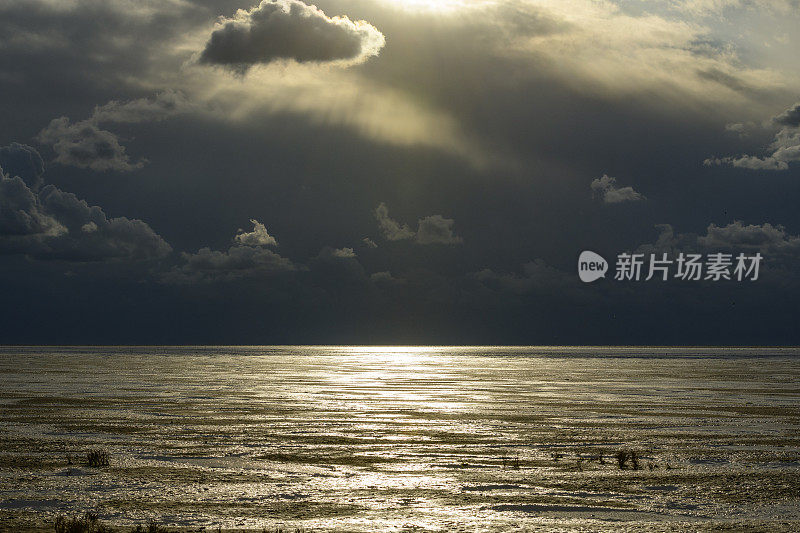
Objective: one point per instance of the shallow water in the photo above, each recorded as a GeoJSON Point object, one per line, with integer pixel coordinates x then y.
{"type": "Point", "coordinates": [396, 439]}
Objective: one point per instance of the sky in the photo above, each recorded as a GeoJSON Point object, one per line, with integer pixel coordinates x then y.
{"type": "Point", "coordinates": [396, 172]}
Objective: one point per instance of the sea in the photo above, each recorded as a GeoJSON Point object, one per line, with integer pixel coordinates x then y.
{"type": "Point", "coordinates": [401, 438]}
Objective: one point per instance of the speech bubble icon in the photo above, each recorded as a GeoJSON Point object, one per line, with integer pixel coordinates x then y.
{"type": "Point", "coordinates": [591, 266]}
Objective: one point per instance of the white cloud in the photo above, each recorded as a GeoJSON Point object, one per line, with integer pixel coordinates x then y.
{"type": "Point", "coordinates": [85, 144]}
{"type": "Point", "coordinates": [785, 148]}
{"type": "Point", "coordinates": [433, 229]}
{"type": "Point", "coordinates": [392, 229]}
{"type": "Point", "coordinates": [343, 253]}
{"type": "Point", "coordinates": [772, 240]}
{"type": "Point", "coordinates": [258, 237]}
{"type": "Point", "coordinates": [606, 189]}
{"type": "Point", "coordinates": [247, 258]}
{"type": "Point", "coordinates": [436, 229]}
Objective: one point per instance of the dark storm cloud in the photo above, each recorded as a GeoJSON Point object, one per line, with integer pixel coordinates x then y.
{"type": "Point", "coordinates": [238, 262]}
{"type": "Point", "coordinates": [53, 224]}
{"type": "Point", "coordinates": [790, 117]}
{"type": "Point", "coordinates": [605, 188]}
{"type": "Point", "coordinates": [337, 271]}
{"type": "Point", "coordinates": [433, 229]}
{"type": "Point", "coordinates": [92, 236]}
{"type": "Point", "coordinates": [288, 29]}
{"type": "Point", "coordinates": [60, 57]}
{"type": "Point", "coordinates": [559, 95]}
{"type": "Point", "coordinates": [20, 212]}
{"type": "Point", "coordinates": [23, 161]}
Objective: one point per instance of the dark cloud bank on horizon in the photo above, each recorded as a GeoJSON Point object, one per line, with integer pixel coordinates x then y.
{"type": "Point", "coordinates": [469, 253]}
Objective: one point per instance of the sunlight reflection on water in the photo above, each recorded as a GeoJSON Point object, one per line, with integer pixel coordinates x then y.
{"type": "Point", "coordinates": [380, 438]}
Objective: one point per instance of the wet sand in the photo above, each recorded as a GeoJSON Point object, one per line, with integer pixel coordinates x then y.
{"type": "Point", "coordinates": [444, 439]}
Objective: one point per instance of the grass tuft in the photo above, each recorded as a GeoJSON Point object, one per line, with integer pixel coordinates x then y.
{"type": "Point", "coordinates": [88, 523]}
{"type": "Point", "coordinates": [626, 457]}
{"type": "Point", "coordinates": [97, 458]}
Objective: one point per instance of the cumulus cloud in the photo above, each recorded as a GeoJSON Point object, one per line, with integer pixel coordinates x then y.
{"type": "Point", "coordinates": [85, 144]}
{"type": "Point", "coordinates": [749, 162]}
{"type": "Point", "coordinates": [338, 271]}
{"type": "Point", "coordinates": [369, 243]}
{"type": "Point", "coordinates": [790, 117]}
{"type": "Point", "coordinates": [433, 229]}
{"type": "Point", "coordinates": [258, 237]}
{"type": "Point", "coordinates": [738, 128]}
{"type": "Point", "coordinates": [54, 224]}
{"type": "Point", "coordinates": [207, 265]}
{"type": "Point", "coordinates": [247, 258]}
{"type": "Point", "coordinates": [436, 229]}
{"type": "Point", "coordinates": [785, 148]}
{"type": "Point", "coordinates": [751, 237]}
{"type": "Point", "coordinates": [391, 229]}
{"type": "Point", "coordinates": [23, 161]}
{"type": "Point", "coordinates": [289, 30]}
{"type": "Point", "coordinates": [773, 241]}
{"type": "Point", "coordinates": [385, 278]}
{"type": "Point", "coordinates": [21, 213]}
{"type": "Point", "coordinates": [343, 252]}
{"type": "Point", "coordinates": [606, 189]}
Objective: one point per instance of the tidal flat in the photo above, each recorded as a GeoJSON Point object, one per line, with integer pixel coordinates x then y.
{"type": "Point", "coordinates": [345, 438]}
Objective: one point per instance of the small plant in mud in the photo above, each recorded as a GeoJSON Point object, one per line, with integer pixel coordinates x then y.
{"type": "Point", "coordinates": [88, 523]}
{"type": "Point", "coordinates": [513, 463]}
{"type": "Point", "coordinates": [626, 457]}
{"type": "Point", "coordinates": [97, 458]}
